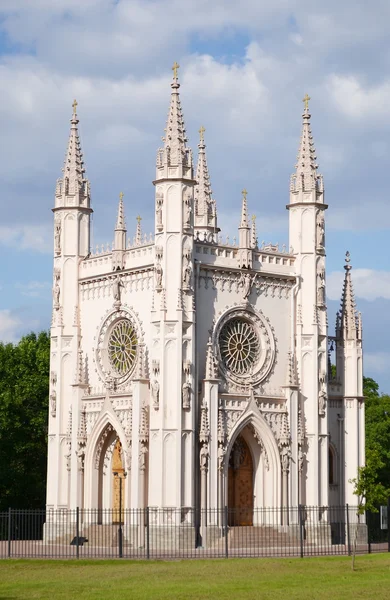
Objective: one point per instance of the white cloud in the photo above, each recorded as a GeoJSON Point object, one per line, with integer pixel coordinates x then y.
{"type": "Point", "coordinates": [10, 325]}
{"type": "Point", "coordinates": [357, 101]}
{"type": "Point", "coordinates": [367, 283]}
{"type": "Point", "coordinates": [26, 237]}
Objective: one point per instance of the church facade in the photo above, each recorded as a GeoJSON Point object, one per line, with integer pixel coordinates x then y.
{"type": "Point", "coordinates": [196, 370]}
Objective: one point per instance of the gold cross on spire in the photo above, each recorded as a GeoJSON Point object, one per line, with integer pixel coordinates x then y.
{"type": "Point", "coordinates": [74, 106]}
{"type": "Point", "coordinates": [201, 133]}
{"type": "Point", "coordinates": [174, 69]}
{"type": "Point", "coordinates": [306, 101]}
{"type": "Point", "coordinates": [121, 196]}
{"type": "Point", "coordinates": [253, 218]}
{"type": "Point", "coordinates": [244, 193]}
{"type": "Point", "coordinates": [139, 219]}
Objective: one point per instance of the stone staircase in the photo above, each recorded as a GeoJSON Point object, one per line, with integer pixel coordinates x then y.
{"type": "Point", "coordinates": [263, 536]}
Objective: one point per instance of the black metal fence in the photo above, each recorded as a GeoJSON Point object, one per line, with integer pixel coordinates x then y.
{"type": "Point", "coordinates": [163, 533]}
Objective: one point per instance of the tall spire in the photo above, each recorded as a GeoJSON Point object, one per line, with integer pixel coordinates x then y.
{"type": "Point", "coordinates": [73, 182]}
{"type": "Point", "coordinates": [175, 152]}
{"type": "Point", "coordinates": [349, 317]}
{"type": "Point", "coordinates": [205, 206]}
{"type": "Point", "coordinates": [306, 179]}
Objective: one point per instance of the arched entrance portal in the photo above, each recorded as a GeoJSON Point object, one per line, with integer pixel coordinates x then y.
{"type": "Point", "coordinates": [118, 491]}
{"type": "Point", "coordinates": [240, 484]}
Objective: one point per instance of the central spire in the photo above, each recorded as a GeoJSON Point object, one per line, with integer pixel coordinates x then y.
{"type": "Point", "coordinates": [306, 179]}
{"type": "Point", "coordinates": [73, 182]}
{"type": "Point", "coordinates": [175, 152]}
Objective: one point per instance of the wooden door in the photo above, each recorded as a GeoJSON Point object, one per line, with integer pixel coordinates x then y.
{"type": "Point", "coordinates": [240, 484]}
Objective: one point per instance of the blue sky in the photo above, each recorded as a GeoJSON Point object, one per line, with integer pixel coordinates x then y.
{"type": "Point", "coordinates": [245, 68]}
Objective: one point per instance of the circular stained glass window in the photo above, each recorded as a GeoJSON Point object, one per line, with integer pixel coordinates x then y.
{"type": "Point", "coordinates": [122, 347]}
{"type": "Point", "coordinates": [239, 346]}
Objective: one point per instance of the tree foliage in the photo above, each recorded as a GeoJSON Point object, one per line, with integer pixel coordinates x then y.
{"type": "Point", "coordinates": [377, 430]}
{"type": "Point", "coordinates": [24, 398]}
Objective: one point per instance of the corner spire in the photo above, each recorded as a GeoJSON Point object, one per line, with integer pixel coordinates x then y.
{"type": "Point", "coordinates": [244, 235]}
{"type": "Point", "coordinates": [205, 206]}
{"type": "Point", "coordinates": [175, 152]}
{"type": "Point", "coordinates": [348, 317]}
{"type": "Point", "coordinates": [306, 179]}
{"type": "Point", "coordinates": [73, 182]}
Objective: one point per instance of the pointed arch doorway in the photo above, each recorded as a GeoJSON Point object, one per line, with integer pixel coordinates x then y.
{"type": "Point", "coordinates": [240, 484]}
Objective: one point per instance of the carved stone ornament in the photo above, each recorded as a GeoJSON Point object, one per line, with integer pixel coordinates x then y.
{"type": "Point", "coordinates": [56, 290]}
{"type": "Point", "coordinates": [159, 205]}
{"type": "Point", "coordinates": [246, 281]}
{"type": "Point", "coordinates": [187, 210]}
{"type": "Point", "coordinates": [186, 395]}
{"type": "Point", "coordinates": [322, 400]}
{"type": "Point", "coordinates": [156, 367]}
{"type": "Point", "coordinates": [155, 392]}
{"type": "Point", "coordinates": [285, 457]}
{"type": "Point", "coordinates": [53, 403]}
{"type": "Point", "coordinates": [57, 237]}
{"type": "Point", "coordinates": [116, 291]}
{"type": "Point", "coordinates": [158, 273]}
{"type": "Point", "coordinates": [159, 251]}
{"type": "Point", "coordinates": [142, 456]}
{"type": "Point", "coordinates": [320, 222]}
{"type": "Point", "coordinates": [221, 456]}
{"type": "Point", "coordinates": [187, 276]}
{"type": "Point", "coordinates": [244, 345]}
{"type": "Point", "coordinates": [204, 457]}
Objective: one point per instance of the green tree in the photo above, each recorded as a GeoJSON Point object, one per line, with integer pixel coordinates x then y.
{"type": "Point", "coordinates": [377, 430]}
{"type": "Point", "coordinates": [24, 398]}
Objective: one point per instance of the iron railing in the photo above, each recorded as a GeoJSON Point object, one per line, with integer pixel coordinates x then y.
{"type": "Point", "coordinates": [190, 533]}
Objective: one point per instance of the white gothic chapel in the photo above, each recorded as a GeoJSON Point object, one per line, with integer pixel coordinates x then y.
{"type": "Point", "coordinates": [194, 371]}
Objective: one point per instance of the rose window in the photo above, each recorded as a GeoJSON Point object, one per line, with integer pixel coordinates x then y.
{"type": "Point", "coordinates": [122, 347]}
{"type": "Point", "coordinates": [239, 346]}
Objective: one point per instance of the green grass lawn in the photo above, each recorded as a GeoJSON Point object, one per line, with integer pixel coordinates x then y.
{"type": "Point", "coordinates": [233, 579]}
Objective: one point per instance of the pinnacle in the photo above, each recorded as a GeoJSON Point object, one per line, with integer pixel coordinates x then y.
{"type": "Point", "coordinates": [244, 210]}
{"type": "Point", "coordinates": [348, 316]}
{"type": "Point", "coordinates": [254, 242]}
{"type": "Point", "coordinates": [138, 233]}
{"type": "Point", "coordinates": [204, 203]}
{"type": "Point", "coordinates": [120, 222]}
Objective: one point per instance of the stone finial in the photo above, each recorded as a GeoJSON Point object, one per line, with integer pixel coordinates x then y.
{"type": "Point", "coordinates": [348, 317]}
{"type": "Point", "coordinates": [205, 206]}
{"type": "Point", "coordinates": [138, 233]}
{"type": "Point", "coordinates": [204, 433]}
{"type": "Point", "coordinates": [284, 437]}
{"type": "Point", "coordinates": [211, 367]}
{"type": "Point", "coordinates": [254, 242]}
{"type": "Point", "coordinates": [120, 221]}
{"type": "Point", "coordinates": [292, 377]}
{"type": "Point", "coordinates": [244, 210]}
{"type": "Point", "coordinates": [143, 426]}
